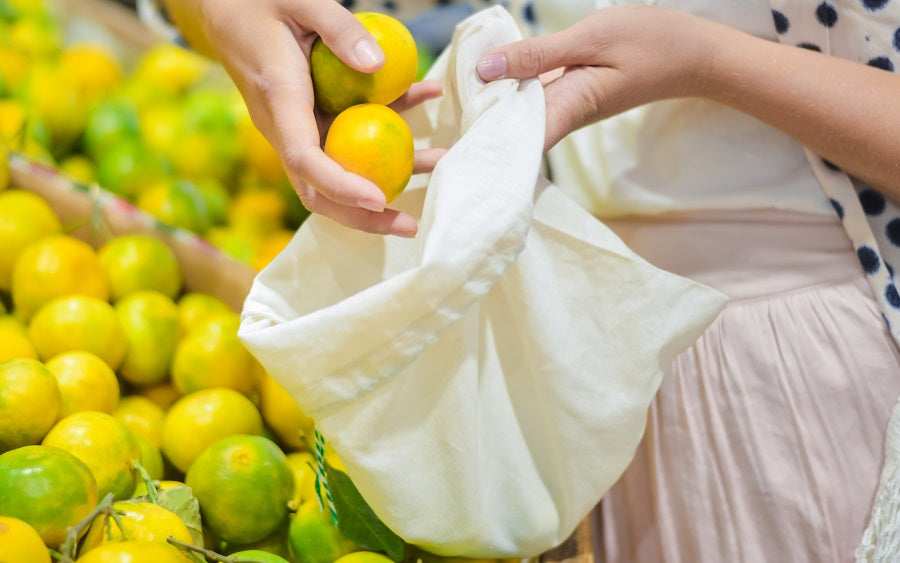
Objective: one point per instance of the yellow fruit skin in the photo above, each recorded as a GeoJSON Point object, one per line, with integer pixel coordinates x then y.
{"type": "Point", "coordinates": [213, 356]}
{"type": "Point", "coordinates": [47, 487]}
{"type": "Point", "coordinates": [29, 403]}
{"type": "Point", "coordinates": [283, 416]}
{"type": "Point", "coordinates": [314, 539]}
{"type": "Point", "coordinates": [24, 218]}
{"type": "Point", "coordinates": [142, 521]}
{"type": "Point", "coordinates": [85, 382]}
{"type": "Point", "coordinates": [140, 262]}
{"type": "Point", "coordinates": [14, 341]}
{"type": "Point", "coordinates": [337, 86]}
{"type": "Point", "coordinates": [198, 420]}
{"type": "Point", "coordinates": [54, 267]}
{"type": "Point", "coordinates": [149, 320]}
{"type": "Point", "coordinates": [142, 416]}
{"type": "Point", "coordinates": [21, 542]}
{"type": "Point", "coordinates": [104, 445]}
{"type": "Point", "coordinates": [134, 551]}
{"type": "Point", "coordinates": [374, 142]}
{"type": "Point", "coordinates": [78, 323]}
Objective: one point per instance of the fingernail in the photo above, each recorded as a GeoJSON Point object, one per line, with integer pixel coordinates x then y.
{"type": "Point", "coordinates": [371, 205]}
{"type": "Point", "coordinates": [407, 233]}
{"type": "Point", "coordinates": [492, 67]}
{"type": "Point", "coordinates": [368, 53]}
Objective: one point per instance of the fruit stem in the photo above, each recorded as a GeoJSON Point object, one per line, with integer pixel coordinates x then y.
{"type": "Point", "coordinates": [148, 481]}
{"type": "Point", "coordinates": [209, 554]}
{"type": "Point", "coordinates": [74, 532]}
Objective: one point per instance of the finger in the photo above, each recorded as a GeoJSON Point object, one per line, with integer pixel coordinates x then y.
{"type": "Point", "coordinates": [418, 93]}
{"type": "Point", "coordinates": [427, 159]}
{"type": "Point", "coordinates": [341, 31]}
{"type": "Point", "coordinates": [388, 222]}
{"type": "Point", "coordinates": [581, 96]}
{"type": "Point", "coordinates": [529, 58]}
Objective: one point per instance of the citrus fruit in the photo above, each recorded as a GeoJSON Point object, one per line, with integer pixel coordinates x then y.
{"type": "Point", "coordinates": [163, 394]}
{"type": "Point", "coordinates": [128, 168]}
{"type": "Point", "coordinates": [170, 68]}
{"type": "Point", "coordinates": [49, 488]}
{"type": "Point", "coordinates": [78, 323]}
{"type": "Point", "coordinates": [281, 413]}
{"type": "Point", "coordinates": [134, 551]}
{"type": "Point", "coordinates": [104, 445]}
{"type": "Point", "coordinates": [373, 141]}
{"type": "Point", "coordinates": [86, 382]}
{"type": "Point", "coordinates": [29, 402]}
{"type": "Point", "coordinates": [54, 100]}
{"type": "Point", "coordinates": [260, 155]}
{"type": "Point", "coordinates": [56, 266]}
{"type": "Point", "coordinates": [257, 211]}
{"type": "Point", "coordinates": [194, 309]}
{"type": "Point", "coordinates": [160, 125]}
{"type": "Point", "coordinates": [303, 465]}
{"type": "Point", "coordinates": [14, 341]}
{"type": "Point", "coordinates": [20, 542]}
{"type": "Point", "coordinates": [197, 420]}
{"type": "Point", "coordinates": [93, 69]}
{"type": "Point", "coordinates": [108, 123]}
{"type": "Point", "coordinates": [239, 245]}
{"type": "Point", "coordinates": [136, 262]}
{"type": "Point", "coordinates": [217, 199]}
{"type": "Point", "coordinates": [271, 247]}
{"type": "Point", "coordinates": [149, 320]}
{"type": "Point", "coordinates": [314, 538]}
{"type": "Point", "coordinates": [212, 356]}
{"type": "Point", "coordinates": [178, 203]}
{"type": "Point", "coordinates": [151, 460]}
{"type": "Point", "coordinates": [258, 556]}
{"type": "Point", "coordinates": [142, 416]}
{"type": "Point", "coordinates": [141, 521]}
{"type": "Point", "coordinates": [24, 218]}
{"type": "Point", "coordinates": [275, 544]}
{"type": "Point", "coordinates": [243, 485]}
{"type": "Point", "coordinates": [337, 86]}
{"type": "Point", "coordinates": [79, 168]}
{"type": "Point", "coordinates": [14, 119]}
{"type": "Point", "coordinates": [363, 557]}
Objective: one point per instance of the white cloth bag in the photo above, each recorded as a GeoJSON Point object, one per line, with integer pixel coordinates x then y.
{"type": "Point", "coordinates": [486, 382]}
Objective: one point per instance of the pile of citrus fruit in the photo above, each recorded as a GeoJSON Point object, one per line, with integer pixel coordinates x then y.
{"type": "Point", "coordinates": [164, 129]}
{"type": "Point", "coordinates": [112, 374]}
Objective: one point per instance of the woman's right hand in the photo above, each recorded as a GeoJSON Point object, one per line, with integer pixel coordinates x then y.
{"type": "Point", "coordinates": [264, 45]}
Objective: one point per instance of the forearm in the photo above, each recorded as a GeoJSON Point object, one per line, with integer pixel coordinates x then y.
{"type": "Point", "coordinates": [846, 112]}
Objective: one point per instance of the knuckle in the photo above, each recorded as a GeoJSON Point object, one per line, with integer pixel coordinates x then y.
{"type": "Point", "coordinates": [531, 58]}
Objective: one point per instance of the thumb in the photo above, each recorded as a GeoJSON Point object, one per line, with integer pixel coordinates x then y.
{"type": "Point", "coordinates": [527, 58]}
{"type": "Point", "coordinates": [342, 33]}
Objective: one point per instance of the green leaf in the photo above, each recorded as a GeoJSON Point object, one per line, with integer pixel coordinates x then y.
{"type": "Point", "coordinates": [181, 500]}
{"type": "Point", "coordinates": [356, 519]}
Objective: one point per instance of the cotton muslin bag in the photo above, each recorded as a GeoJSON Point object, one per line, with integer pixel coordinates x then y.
{"type": "Point", "coordinates": [486, 382]}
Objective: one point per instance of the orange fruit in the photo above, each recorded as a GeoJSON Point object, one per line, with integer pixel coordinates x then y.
{"type": "Point", "coordinates": [257, 212]}
{"type": "Point", "coordinates": [86, 382]}
{"type": "Point", "coordinates": [194, 309]}
{"type": "Point", "coordinates": [373, 141]}
{"type": "Point", "coordinates": [170, 68]}
{"type": "Point", "coordinates": [257, 556]}
{"type": "Point", "coordinates": [24, 218]}
{"type": "Point", "coordinates": [271, 247]}
{"type": "Point", "coordinates": [29, 402]}
{"type": "Point", "coordinates": [197, 420]}
{"type": "Point", "coordinates": [138, 262]}
{"type": "Point", "coordinates": [212, 356]}
{"type": "Point", "coordinates": [56, 266]}
{"type": "Point", "coordinates": [303, 465]}
{"type": "Point", "coordinates": [141, 521]}
{"type": "Point", "coordinates": [243, 484]}
{"type": "Point", "coordinates": [151, 461]}
{"type": "Point", "coordinates": [163, 395]}
{"type": "Point", "coordinates": [20, 542]}
{"type": "Point", "coordinates": [81, 323]}
{"type": "Point", "coordinates": [337, 86]}
{"type": "Point", "coordinates": [134, 551]}
{"type": "Point", "coordinates": [104, 445]}
{"type": "Point", "coordinates": [48, 488]}
{"type": "Point", "coordinates": [4, 165]}
{"type": "Point", "coordinates": [363, 557]}
{"type": "Point", "coordinates": [261, 157]}
{"type": "Point", "coordinates": [94, 70]}
{"type": "Point", "coordinates": [149, 320]}
{"type": "Point", "coordinates": [178, 203]}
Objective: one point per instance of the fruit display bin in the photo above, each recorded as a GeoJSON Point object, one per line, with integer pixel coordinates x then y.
{"type": "Point", "coordinates": [95, 215]}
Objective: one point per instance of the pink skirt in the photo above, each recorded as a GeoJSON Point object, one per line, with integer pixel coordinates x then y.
{"type": "Point", "coordinates": [765, 440]}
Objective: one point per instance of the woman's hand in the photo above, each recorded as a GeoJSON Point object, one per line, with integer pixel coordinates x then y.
{"type": "Point", "coordinates": [612, 60]}
{"type": "Point", "coordinates": [264, 46]}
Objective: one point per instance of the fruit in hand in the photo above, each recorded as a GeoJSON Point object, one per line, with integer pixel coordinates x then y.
{"type": "Point", "coordinates": [373, 141]}
{"type": "Point", "coordinates": [337, 86]}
